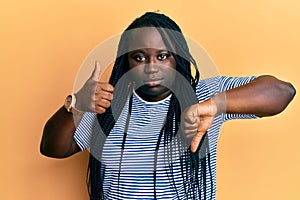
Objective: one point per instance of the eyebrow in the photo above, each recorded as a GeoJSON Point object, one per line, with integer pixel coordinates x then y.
{"type": "Point", "coordinates": [143, 51]}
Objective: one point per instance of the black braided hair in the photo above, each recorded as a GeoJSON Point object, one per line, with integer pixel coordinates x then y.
{"type": "Point", "coordinates": [194, 183]}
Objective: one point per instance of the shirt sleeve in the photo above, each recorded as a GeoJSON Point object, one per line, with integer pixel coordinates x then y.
{"type": "Point", "coordinates": [84, 131]}
{"type": "Point", "coordinates": [208, 87]}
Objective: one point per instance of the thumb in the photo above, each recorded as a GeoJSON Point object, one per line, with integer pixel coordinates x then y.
{"type": "Point", "coordinates": [97, 71]}
{"type": "Point", "coordinates": [196, 141]}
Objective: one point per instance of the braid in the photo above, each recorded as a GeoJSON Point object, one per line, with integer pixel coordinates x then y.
{"type": "Point", "coordinates": [190, 163]}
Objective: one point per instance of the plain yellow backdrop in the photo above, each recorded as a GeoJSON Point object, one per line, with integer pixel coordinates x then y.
{"type": "Point", "coordinates": [43, 44]}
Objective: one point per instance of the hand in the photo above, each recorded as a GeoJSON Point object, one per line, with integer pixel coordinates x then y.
{"type": "Point", "coordinates": [94, 96]}
{"type": "Point", "coordinates": [196, 120]}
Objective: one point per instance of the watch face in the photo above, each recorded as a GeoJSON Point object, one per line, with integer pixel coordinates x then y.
{"type": "Point", "coordinates": [68, 102]}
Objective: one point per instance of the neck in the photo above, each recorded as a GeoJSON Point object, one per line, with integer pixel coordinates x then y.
{"type": "Point", "coordinates": [153, 98]}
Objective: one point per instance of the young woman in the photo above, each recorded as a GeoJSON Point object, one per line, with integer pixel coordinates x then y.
{"type": "Point", "coordinates": [152, 130]}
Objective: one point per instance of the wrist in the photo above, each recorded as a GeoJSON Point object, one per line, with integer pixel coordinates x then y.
{"type": "Point", "coordinates": [219, 102]}
{"type": "Point", "coordinates": [70, 103]}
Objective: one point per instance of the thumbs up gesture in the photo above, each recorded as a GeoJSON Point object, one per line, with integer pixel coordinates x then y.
{"type": "Point", "coordinates": [94, 96]}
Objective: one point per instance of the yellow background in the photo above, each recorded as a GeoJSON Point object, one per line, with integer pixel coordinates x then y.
{"type": "Point", "coordinates": [43, 43]}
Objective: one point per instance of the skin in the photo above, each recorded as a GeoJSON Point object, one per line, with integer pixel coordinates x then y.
{"type": "Point", "coordinates": [94, 96]}
{"type": "Point", "coordinates": [153, 67]}
{"type": "Point", "coordinates": [264, 96]}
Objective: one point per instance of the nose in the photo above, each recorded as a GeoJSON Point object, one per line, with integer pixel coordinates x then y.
{"type": "Point", "coordinates": [151, 66]}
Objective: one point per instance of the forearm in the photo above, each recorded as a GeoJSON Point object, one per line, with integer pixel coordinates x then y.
{"type": "Point", "coordinates": [264, 96]}
{"type": "Point", "coordinates": [57, 140]}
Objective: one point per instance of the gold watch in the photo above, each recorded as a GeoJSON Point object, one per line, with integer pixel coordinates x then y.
{"type": "Point", "coordinates": [70, 102]}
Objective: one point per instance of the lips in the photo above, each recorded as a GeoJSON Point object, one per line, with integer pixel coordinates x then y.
{"type": "Point", "coordinates": [153, 82]}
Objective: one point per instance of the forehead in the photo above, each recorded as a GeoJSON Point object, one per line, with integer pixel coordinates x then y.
{"type": "Point", "coordinates": [148, 37]}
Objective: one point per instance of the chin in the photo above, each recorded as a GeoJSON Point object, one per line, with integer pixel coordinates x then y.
{"type": "Point", "coordinates": [153, 93]}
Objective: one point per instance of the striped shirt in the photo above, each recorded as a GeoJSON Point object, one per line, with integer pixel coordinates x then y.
{"type": "Point", "coordinates": [136, 167]}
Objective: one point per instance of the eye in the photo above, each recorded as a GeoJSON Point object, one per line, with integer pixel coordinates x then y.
{"type": "Point", "coordinates": [139, 58]}
{"type": "Point", "coordinates": [163, 56]}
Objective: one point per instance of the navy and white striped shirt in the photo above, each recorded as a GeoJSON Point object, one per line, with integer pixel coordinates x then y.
{"type": "Point", "coordinates": [146, 121]}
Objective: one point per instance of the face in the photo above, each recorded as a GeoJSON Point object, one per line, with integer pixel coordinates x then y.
{"type": "Point", "coordinates": [152, 64]}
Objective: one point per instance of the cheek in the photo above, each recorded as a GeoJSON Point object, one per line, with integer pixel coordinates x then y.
{"type": "Point", "coordinates": [170, 74]}
{"type": "Point", "coordinates": [172, 63]}
{"type": "Point", "coordinates": [131, 64]}
{"type": "Point", "coordinates": [136, 73]}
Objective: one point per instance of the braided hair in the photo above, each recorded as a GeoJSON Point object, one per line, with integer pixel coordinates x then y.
{"type": "Point", "coordinates": [191, 163]}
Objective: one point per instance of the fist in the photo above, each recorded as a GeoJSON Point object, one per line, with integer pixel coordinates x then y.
{"type": "Point", "coordinates": [196, 120]}
{"type": "Point", "coordinates": [94, 96]}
